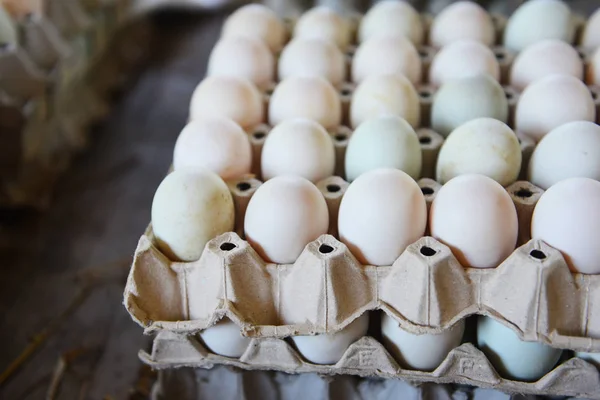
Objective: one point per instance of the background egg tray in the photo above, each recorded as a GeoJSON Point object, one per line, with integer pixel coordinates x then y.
{"type": "Point", "coordinates": [426, 290]}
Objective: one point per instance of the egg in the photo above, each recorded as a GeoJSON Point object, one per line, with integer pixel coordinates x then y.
{"type": "Point", "coordinates": [306, 97]}
{"type": "Point", "coordinates": [512, 357]}
{"type": "Point", "coordinates": [476, 218]}
{"type": "Point", "coordinates": [392, 18]}
{"type": "Point", "coordinates": [259, 22]}
{"type": "Point", "coordinates": [243, 57]}
{"type": "Point", "coordinates": [545, 58]}
{"type": "Point", "coordinates": [384, 55]}
{"type": "Point", "coordinates": [190, 207]}
{"type": "Point", "coordinates": [570, 151]}
{"type": "Point", "coordinates": [592, 358]}
{"type": "Point", "coordinates": [324, 23]}
{"type": "Point", "coordinates": [590, 38]}
{"type": "Point", "coordinates": [536, 20]}
{"type": "Point", "coordinates": [229, 97]}
{"type": "Point", "coordinates": [313, 57]}
{"type": "Point", "coordinates": [284, 215]}
{"type": "Point", "coordinates": [225, 338]}
{"type": "Point", "coordinates": [382, 212]}
{"type": "Point", "coordinates": [482, 146]}
{"type": "Point", "coordinates": [8, 31]}
{"type": "Point", "coordinates": [385, 95]}
{"type": "Point", "coordinates": [461, 100]}
{"type": "Point", "coordinates": [567, 218]}
{"type": "Point", "coordinates": [592, 75]}
{"type": "Point", "coordinates": [462, 20]}
{"type": "Point", "coordinates": [217, 144]}
{"type": "Point", "coordinates": [386, 141]}
{"type": "Point", "coordinates": [462, 59]}
{"type": "Point", "coordinates": [421, 352]}
{"type": "Point", "coordinates": [299, 147]}
{"type": "Point", "coordinates": [550, 102]}
{"type": "Point", "coordinates": [329, 348]}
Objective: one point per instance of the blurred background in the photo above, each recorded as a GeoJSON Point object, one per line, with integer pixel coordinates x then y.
{"type": "Point", "coordinates": [64, 333]}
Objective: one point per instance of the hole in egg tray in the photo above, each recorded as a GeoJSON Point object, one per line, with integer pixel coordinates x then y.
{"type": "Point", "coordinates": [243, 186]}
{"type": "Point", "coordinates": [340, 137]}
{"type": "Point", "coordinates": [425, 140]}
{"type": "Point", "coordinates": [427, 251]}
{"type": "Point", "coordinates": [333, 188]}
{"type": "Point", "coordinates": [325, 249]}
{"type": "Point", "coordinates": [227, 246]}
{"type": "Point", "coordinates": [427, 191]}
{"type": "Point", "coordinates": [537, 254]}
{"type": "Point", "coordinates": [524, 193]}
{"type": "Point", "coordinates": [259, 135]}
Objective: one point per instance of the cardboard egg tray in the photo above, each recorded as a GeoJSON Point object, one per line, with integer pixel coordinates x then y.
{"type": "Point", "coordinates": [426, 290]}
{"type": "Point", "coordinates": [50, 89]}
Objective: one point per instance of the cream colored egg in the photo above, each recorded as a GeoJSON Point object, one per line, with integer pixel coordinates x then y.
{"type": "Point", "coordinates": [590, 38]}
{"type": "Point", "coordinates": [228, 97]}
{"type": "Point", "coordinates": [306, 97]}
{"type": "Point", "coordinates": [324, 23]}
{"type": "Point", "coordinates": [328, 348]}
{"type": "Point", "coordinates": [482, 146]}
{"type": "Point", "coordinates": [259, 22]}
{"type": "Point", "coordinates": [385, 95]}
{"type": "Point", "coordinates": [298, 147]}
{"type": "Point", "coordinates": [8, 31]}
{"type": "Point", "coordinates": [536, 20]}
{"type": "Point", "coordinates": [462, 59]}
{"type": "Point", "coordinates": [545, 58]}
{"type": "Point", "coordinates": [243, 57]}
{"type": "Point", "coordinates": [421, 352]}
{"type": "Point", "coordinates": [190, 207]}
{"type": "Point", "coordinates": [567, 217]}
{"type": "Point", "coordinates": [225, 338]}
{"type": "Point", "coordinates": [462, 20]}
{"type": "Point", "coordinates": [512, 357]}
{"type": "Point", "coordinates": [476, 218]}
{"type": "Point", "coordinates": [461, 100]}
{"type": "Point", "coordinates": [313, 57]}
{"type": "Point", "coordinates": [284, 215]}
{"type": "Point", "coordinates": [392, 18]}
{"type": "Point", "coordinates": [382, 212]}
{"type": "Point", "coordinates": [550, 102]}
{"type": "Point", "coordinates": [570, 151]}
{"type": "Point", "coordinates": [383, 142]}
{"type": "Point", "coordinates": [385, 55]}
{"type": "Point", "coordinates": [592, 74]}
{"type": "Point", "coordinates": [217, 144]}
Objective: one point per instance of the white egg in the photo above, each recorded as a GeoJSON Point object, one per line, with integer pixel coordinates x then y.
{"type": "Point", "coordinates": [313, 57]}
{"type": "Point", "coordinates": [189, 209]}
{"type": "Point", "coordinates": [463, 59]}
{"type": "Point", "coordinates": [590, 38]}
{"type": "Point", "coordinates": [592, 74]}
{"type": "Point", "coordinates": [383, 142]}
{"type": "Point", "coordinates": [329, 348]}
{"type": "Point", "coordinates": [382, 212]}
{"type": "Point", "coordinates": [512, 357]}
{"type": "Point", "coordinates": [8, 31]}
{"type": "Point", "coordinates": [421, 352]}
{"type": "Point", "coordinates": [476, 218]}
{"type": "Point", "coordinates": [536, 20]}
{"type": "Point", "coordinates": [461, 100]}
{"type": "Point", "coordinates": [570, 151]}
{"type": "Point", "coordinates": [299, 147]}
{"type": "Point", "coordinates": [256, 21]}
{"type": "Point", "coordinates": [567, 217]}
{"type": "Point", "coordinates": [217, 144]}
{"type": "Point", "coordinates": [482, 146]}
{"type": "Point", "coordinates": [592, 358]}
{"type": "Point", "coordinates": [283, 216]}
{"type": "Point", "coordinates": [306, 97]}
{"type": "Point", "coordinates": [229, 97]}
{"type": "Point", "coordinates": [324, 23]}
{"type": "Point", "coordinates": [545, 58]}
{"type": "Point", "coordinates": [387, 55]}
{"type": "Point", "coordinates": [392, 18]}
{"type": "Point", "coordinates": [243, 57]}
{"type": "Point", "coordinates": [550, 102]}
{"type": "Point", "coordinates": [385, 95]}
{"type": "Point", "coordinates": [462, 20]}
{"type": "Point", "coordinates": [225, 338]}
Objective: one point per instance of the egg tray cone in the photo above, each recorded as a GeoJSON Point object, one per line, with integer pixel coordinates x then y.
{"type": "Point", "coordinates": [426, 290]}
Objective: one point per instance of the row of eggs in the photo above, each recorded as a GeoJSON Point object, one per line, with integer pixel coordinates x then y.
{"type": "Point", "coordinates": [510, 356]}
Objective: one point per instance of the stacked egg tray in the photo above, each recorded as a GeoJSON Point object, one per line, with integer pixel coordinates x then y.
{"type": "Point", "coordinates": [54, 73]}
{"type": "Point", "coordinates": [426, 290]}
